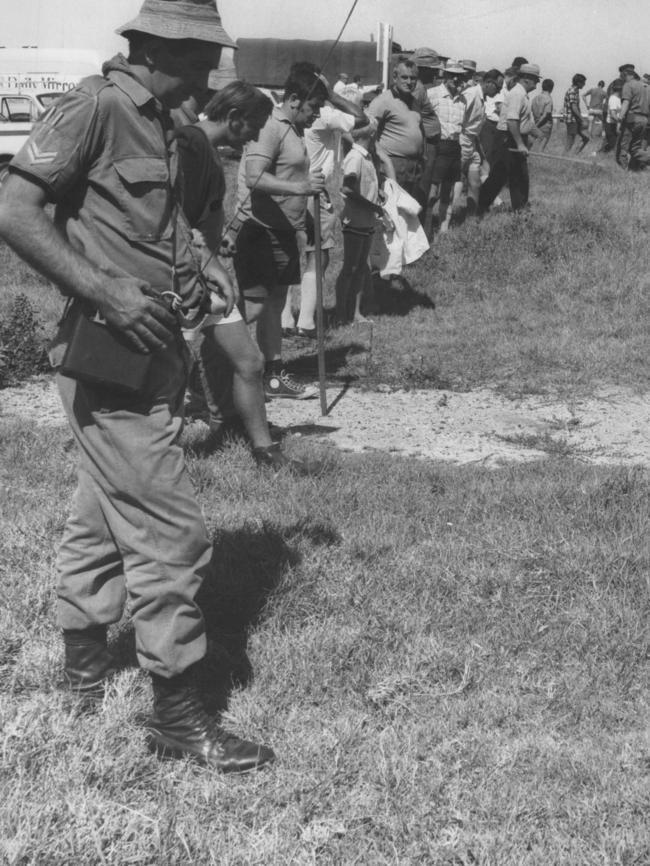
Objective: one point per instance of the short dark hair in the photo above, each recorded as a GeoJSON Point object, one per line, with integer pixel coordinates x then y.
{"type": "Point", "coordinates": [246, 99]}
{"type": "Point", "coordinates": [519, 61]}
{"type": "Point", "coordinates": [601, 83]}
{"type": "Point", "coordinates": [548, 84]}
{"type": "Point", "coordinates": [304, 82]}
{"type": "Point", "coordinates": [577, 78]}
{"type": "Point", "coordinates": [493, 74]}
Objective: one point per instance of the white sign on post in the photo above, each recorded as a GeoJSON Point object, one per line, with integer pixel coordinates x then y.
{"type": "Point", "coordinates": [384, 49]}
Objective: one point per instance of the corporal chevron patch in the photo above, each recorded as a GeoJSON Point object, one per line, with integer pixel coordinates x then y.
{"type": "Point", "coordinates": [38, 156]}
{"type": "Point", "coordinates": [54, 116]}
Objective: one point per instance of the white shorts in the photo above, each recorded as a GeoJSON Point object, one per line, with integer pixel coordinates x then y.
{"type": "Point", "coordinates": [190, 334]}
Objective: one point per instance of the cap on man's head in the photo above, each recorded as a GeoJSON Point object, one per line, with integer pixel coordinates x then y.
{"type": "Point", "coordinates": [180, 19]}
{"type": "Point", "coordinates": [626, 67]}
{"type": "Point", "coordinates": [468, 65]}
{"type": "Point", "coordinates": [530, 70]}
{"type": "Point", "coordinates": [426, 57]}
{"type": "Point", "coordinates": [453, 67]}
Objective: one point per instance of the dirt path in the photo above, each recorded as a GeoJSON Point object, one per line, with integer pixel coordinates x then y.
{"type": "Point", "coordinates": [475, 427]}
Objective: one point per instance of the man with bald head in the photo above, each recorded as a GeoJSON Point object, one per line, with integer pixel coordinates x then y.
{"type": "Point", "coordinates": [399, 127]}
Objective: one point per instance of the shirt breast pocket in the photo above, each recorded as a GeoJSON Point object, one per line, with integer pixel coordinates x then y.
{"type": "Point", "coordinates": [144, 196]}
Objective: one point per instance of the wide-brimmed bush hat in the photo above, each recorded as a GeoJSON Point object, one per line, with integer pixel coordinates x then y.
{"type": "Point", "coordinates": [468, 65]}
{"type": "Point", "coordinates": [180, 19]}
{"type": "Point", "coordinates": [426, 57]}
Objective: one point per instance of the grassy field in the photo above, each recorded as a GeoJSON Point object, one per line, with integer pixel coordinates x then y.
{"type": "Point", "coordinates": [451, 663]}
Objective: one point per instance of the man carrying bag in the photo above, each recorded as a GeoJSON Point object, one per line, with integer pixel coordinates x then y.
{"type": "Point", "coordinates": [103, 155]}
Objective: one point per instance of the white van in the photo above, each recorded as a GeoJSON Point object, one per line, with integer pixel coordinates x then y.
{"type": "Point", "coordinates": [30, 80]}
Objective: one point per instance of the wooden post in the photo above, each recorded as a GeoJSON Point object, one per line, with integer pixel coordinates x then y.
{"type": "Point", "coordinates": [320, 329]}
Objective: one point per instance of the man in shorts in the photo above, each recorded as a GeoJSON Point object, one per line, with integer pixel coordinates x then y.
{"type": "Point", "coordinates": [449, 105]}
{"type": "Point", "coordinates": [273, 186]}
{"type": "Point", "coordinates": [399, 132]}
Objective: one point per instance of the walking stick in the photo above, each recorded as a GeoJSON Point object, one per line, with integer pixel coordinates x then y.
{"type": "Point", "coordinates": [541, 155]}
{"type": "Point", "coordinates": [319, 306]}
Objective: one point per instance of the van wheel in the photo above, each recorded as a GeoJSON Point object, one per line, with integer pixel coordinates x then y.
{"type": "Point", "coordinates": [4, 171]}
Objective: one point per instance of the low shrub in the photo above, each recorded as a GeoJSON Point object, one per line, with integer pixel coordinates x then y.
{"type": "Point", "coordinates": [22, 347]}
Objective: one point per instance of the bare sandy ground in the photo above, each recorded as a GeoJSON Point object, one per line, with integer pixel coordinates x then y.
{"type": "Point", "coordinates": [480, 426]}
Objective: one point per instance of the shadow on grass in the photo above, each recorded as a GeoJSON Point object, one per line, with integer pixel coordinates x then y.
{"type": "Point", "coordinates": [248, 567]}
{"type": "Point", "coordinates": [336, 360]}
{"type": "Point", "coordinates": [395, 297]}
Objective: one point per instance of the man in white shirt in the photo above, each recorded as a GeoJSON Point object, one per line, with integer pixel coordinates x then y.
{"type": "Point", "coordinates": [449, 106]}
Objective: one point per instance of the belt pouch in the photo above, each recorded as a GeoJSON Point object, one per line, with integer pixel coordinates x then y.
{"type": "Point", "coordinates": [100, 355]}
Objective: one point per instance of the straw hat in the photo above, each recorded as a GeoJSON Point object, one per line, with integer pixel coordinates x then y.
{"type": "Point", "coordinates": [180, 19]}
{"type": "Point", "coordinates": [530, 70]}
{"type": "Point", "coordinates": [454, 67]}
{"type": "Point", "coordinates": [468, 65]}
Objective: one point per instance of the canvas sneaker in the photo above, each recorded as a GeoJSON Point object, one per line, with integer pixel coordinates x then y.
{"type": "Point", "coordinates": [283, 385]}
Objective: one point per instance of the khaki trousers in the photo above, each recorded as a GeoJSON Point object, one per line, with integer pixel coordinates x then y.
{"type": "Point", "coordinates": [136, 531]}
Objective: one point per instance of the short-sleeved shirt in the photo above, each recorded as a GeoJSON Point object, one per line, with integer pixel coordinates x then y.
{"type": "Point", "coordinates": [283, 149]}
{"type": "Point", "coordinates": [492, 107]}
{"type": "Point", "coordinates": [516, 106]}
{"type": "Point", "coordinates": [542, 105]}
{"type": "Point", "coordinates": [614, 108]}
{"type": "Point", "coordinates": [430, 123]}
{"type": "Point", "coordinates": [323, 139]}
{"type": "Point", "coordinates": [638, 95]}
{"type": "Point", "coordinates": [450, 111]}
{"type": "Point", "coordinates": [571, 99]}
{"type": "Point", "coordinates": [474, 111]}
{"type": "Point", "coordinates": [103, 152]}
{"type": "Point", "coordinates": [358, 162]}
{"type": "Point", "coordinates": [597, 98]}
{"type": "Point", "coordinates": [399, 125]}
{"type": "Point", "coordinates": [204, 185]}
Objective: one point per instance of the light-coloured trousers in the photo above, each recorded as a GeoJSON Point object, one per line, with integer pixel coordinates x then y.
{"type": "Point", "coordinates": [136, 530]}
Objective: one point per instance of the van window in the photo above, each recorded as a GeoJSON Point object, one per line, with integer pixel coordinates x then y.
{"type": "Point", "coordinates": [17, 109]}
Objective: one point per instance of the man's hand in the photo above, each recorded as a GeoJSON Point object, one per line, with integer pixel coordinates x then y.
{"type": "Point", "coordinates": [522, 149]}
{"type": "Point", "coordinates": [221, 285]}
{"type": "Point", "coordinates": [146, 323]}
{"type": "Point", "coordinates": [316, 182]}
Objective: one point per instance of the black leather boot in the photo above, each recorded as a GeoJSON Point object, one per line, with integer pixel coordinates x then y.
{"type": "Point", "coordinates": [88, 663]}
{"type": "Point", "coordinates": [181, 728]}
